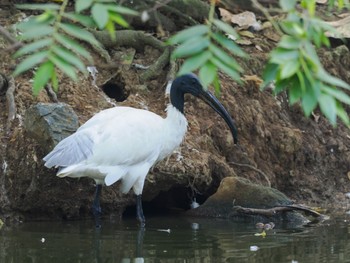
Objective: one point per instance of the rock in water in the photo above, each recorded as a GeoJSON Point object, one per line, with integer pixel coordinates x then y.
{"type": "Point", "coordinates": [235, 191]}
{"type": "Point", "coordinates": [49, 123]}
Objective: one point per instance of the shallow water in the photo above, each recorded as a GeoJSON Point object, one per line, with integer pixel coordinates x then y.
{"type": "Point", "coordinates": [169, 239]}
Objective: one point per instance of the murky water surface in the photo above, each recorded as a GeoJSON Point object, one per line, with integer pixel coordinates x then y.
{"type": "Point", "coordinates": [173, 240]}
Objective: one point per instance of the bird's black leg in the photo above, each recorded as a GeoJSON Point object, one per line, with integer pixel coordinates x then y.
{"type": "Point", "coordinates": [139, 211]}
{"type": "Point", "coordinates": [96, 208]}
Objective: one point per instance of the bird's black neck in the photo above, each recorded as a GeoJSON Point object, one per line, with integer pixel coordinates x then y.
{"type": "Point", "coordinates": [177, 99]}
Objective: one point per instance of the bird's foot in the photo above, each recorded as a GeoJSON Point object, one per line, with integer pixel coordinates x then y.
{"type": "Point", "coordinates": [142, 221]}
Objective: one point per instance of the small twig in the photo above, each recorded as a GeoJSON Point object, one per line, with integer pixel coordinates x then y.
{"type": "Point", "coordinates": [268, 16]}
{"type": "Point", "coordinates": [173, 10]}
{"type": "Point", "coordinates": [274, 210]}
{"type": "Point", "coordinates": [12, 40]}
{"type": "Point", "coordinates": [51, 93]}
{"type": "Point", "coordinates": [10, 98]}
{"type": "Point", "coordinates": [3, 84]}
{"type": "Point", "coordinates": [255, 169]}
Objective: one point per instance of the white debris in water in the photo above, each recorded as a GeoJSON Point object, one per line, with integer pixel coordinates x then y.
{"type": "Point", "coordinates": [4, 166]}
{"type": "Point", "coordinates": [253, 248]}
{"type": "Point", "coordinates": [194, 204]}
{"type": "Point", "coordinates": [294, 261]}
{"type": "Point", "coordinates": [164, 230]}
{"type": "Point", "coordinates": [347, 195]}
{"type": "Point", "coordinates": [195, 226]}
{"type": "Point", "coordinates": [42, 240]}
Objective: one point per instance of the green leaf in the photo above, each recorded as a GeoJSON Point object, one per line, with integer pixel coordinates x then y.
{"type": "Point", "coordinates": [66, 68]}
{"type": "Point", "coordinates": [69, 57]}
{"type": "Point", "coordinates": [81, 5]}
{"type": "Point", "coordinates": [73, 45]}
{"type": "Point", "coordinates": [38, 6]}
{"type": "Point", "coordinates": [47, 17]}
{"type": "Point", "coordinates": [29, 48]}
{"type": "Point", "coordinates": [280, 86]}
{"type": "Point", "coordinates": [229, 45]}
{"type": "Point", "coordinates": [288, 5]}
{"type": "Point", "coordinates": [269, 74]}
{"type": "Point", "coordinates": [336, 93]}
{"type": "Point", "coordinates": [217, 85]}
{"type": "Point", "coordinates": [282, 55]}
{"type": "Point", "coordinates": [289, 68]}
{"type": "Point", "coordinates": [343, 114]}
{"type": "Point", "coordinates": [191, 47]}
{"type": "Point", "coordinates": [111, 30]}
{"type": "Point", "coordinates": [37, 32]}
{"type": "Point", "coordinates": [100, 15]}
{"type": "Point", "coordinates": [207, 74]}
{"type": "Point", "coordinates": [194, 62]}
{"type": "Point", "coordinates": [228, 70]}
{"type": "Point", "coordinates": [288, 42]}
{"type": "Point", "coordinates": [294, 91]}
{"type": "Point", "coordinates": [309, 101]}
{"type": "Point", "coordinates": [311, 54]}
{"type": "Point", "coordinates": [225, 27]}
{"type": "Point", "coordinates": [187, 34]}
{"type": "Point", "coordinates": [30, 62]}
{"type": "Point", "coordinates": [54, 81]}
{"type": "Point", "coordinates": [122, 10]}
{"type": "Point", "coordinates": [82, 19]}
{"type": "Point", "coordinates": [224, 57]}
{"type": "Point", "coordinates": [42, 76]}
{"type": "Point", "coordinates": [79, 33]}
{"type": "Point", "coordinates": [118, 19]}
{"type": "Point", "coordinates": [301, 78]}
{"type": "Point", "coordinates": [328, 107]}
{"type": "Point", "coordinates": [326, 77]}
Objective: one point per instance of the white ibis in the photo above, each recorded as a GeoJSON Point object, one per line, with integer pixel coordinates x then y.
{"type": "Point", "coordinates": [123, 143]}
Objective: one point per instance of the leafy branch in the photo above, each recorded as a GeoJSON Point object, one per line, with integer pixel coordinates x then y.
{"type": "Point", "coordinates": [54, 44]}
{"type": "Point", "coordinates": [295, 66]}
{"type": "Point", "coordinates": [207, 48]}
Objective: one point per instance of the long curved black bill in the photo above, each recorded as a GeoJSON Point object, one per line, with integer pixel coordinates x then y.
{"type": "Point", "coordinates": [215, 104]}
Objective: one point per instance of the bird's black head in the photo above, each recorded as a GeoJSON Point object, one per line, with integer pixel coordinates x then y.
{"type": "Point", "coordinates": [190, 83]}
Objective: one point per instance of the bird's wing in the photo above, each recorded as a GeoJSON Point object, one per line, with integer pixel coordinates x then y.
{"type": "Point", "coordinates": [79, 146]}
{"type": "Point", "coordinates": [120, 136]}
{"type": "Point", "coordinates": [71, 150]}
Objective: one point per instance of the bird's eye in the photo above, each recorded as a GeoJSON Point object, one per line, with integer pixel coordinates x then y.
{"type": "Point", "coordinates": [193, 81]}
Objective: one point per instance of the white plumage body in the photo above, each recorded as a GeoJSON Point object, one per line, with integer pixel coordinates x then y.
{"type": "Point", "coordinates": [120, 143]}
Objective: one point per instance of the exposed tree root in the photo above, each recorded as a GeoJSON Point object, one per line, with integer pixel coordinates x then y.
{"type": "Point", "coordinates": [270, 212]}
{"type": "Point", "coordinates": [11, 39]}
{"type": "Point", "coordinates": [129, 38]}
{"type": "Point", "coordinates": [156, 67]}
{"type": "Point", "coordinates": [10, 98]}
{"type": "Point", "coordinates": [3, 84]}
{"type": "Point", "coordinates": [138, 40]}
{"type": "Point", "coordinates": [51, 93]}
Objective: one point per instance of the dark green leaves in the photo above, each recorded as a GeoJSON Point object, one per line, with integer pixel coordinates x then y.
{"type": "Point", "coordinates": [207, 51]}
{"type": "Point", "coordinates": [51, 42]}
{"type": "Point", "coordinates": [295, 66]}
